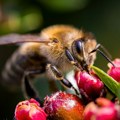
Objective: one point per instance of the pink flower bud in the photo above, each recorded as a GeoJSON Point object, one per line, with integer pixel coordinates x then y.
{"type": "Point", "coordinates": [102, 110]}
{"type": "Point", "coordinates": [89, 85]}
{"type": "Point", "coordinates": [114, 71]}
{"type": "Point", "coordinates": [63, 106]}
{"type": "Point", "coordinates": [29, 110]}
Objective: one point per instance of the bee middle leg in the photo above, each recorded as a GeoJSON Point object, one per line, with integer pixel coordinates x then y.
{"type": "Point", "coordinates": [58, 75]}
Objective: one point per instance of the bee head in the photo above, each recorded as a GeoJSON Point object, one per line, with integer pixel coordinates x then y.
{"type": "Point", "coordinates": [81, 49]}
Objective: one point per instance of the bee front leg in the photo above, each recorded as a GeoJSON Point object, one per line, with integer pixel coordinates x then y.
{"type": "Point", "coordinates": [56, 74]}
{"type": "Point", "coordinates": [72, 60]}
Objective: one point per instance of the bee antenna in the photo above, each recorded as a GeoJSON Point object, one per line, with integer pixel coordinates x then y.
{"type": "Point", "coordinates": [105, 56]}
{"type": "Point", "coordinates": [106, 51]}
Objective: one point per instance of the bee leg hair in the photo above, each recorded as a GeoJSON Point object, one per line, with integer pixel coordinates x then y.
{"type": "Point", "coordinates": [58, 75]}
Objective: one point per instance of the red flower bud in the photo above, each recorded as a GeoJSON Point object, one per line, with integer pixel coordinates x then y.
{"type": "Point", "coordinates": [89, 85]}
{"type": "Point", "coordinates": [114, 71]}
{"type": "Point", "coordinates": [102, 110]}
{"type": "Point", "coordinates": [63, 106]}
{"type": "Point", "coordinates": [29, 110]}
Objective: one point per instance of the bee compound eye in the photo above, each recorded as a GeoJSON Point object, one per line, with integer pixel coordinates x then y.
{"type": "Point", "coordinates": [77, 47]}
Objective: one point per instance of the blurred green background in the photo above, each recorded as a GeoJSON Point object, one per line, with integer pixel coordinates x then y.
{"type": "Point", "coordinates": [101, 17]}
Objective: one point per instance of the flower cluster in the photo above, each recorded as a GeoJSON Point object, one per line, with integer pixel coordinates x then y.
{"type": "Point", "coordinates": [93, 104]}
{"type": "Point", "coordinates": [102, 109]}
{"type": "Point", "coordinates": [114, 71]}
{"type": "Point", "coordinates": [29, 110]}
{"type": "Point", "coordinates": [90, 86]}
{"type": "Point", "coordinates": [59, 106]}
{"type": "Point", "coordinates": [63, 106]}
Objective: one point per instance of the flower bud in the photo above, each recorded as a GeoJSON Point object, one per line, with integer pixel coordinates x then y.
{"type": "Point", "coordinates": [114, 71]}
{"type": "Point", "coordinates": [102, 110]}
{"type": "Point", "coordinates": [29, 110]}
{"type": "Point", "coordinates": [63, 106]}
{"type": "Point", "coordinates": [89, 85]}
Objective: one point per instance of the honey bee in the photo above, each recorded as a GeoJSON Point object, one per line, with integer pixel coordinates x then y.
{"type": "Point", "coordinates": [56, 50]}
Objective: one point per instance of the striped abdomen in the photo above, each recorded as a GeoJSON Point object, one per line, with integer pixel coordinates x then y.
{"type": "Point", "coordinates": [17, 65]}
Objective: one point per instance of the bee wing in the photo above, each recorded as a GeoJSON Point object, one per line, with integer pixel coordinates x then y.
{"type": "Point", "coordinates": [16, 38]}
